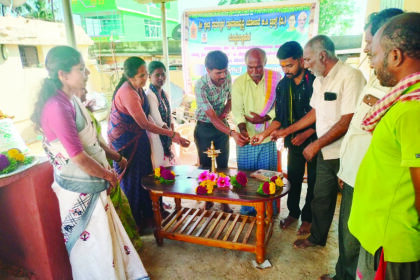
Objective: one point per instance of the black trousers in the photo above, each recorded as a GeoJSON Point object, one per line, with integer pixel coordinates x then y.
{"type": "Point", "coordinates": [295, 172]}
{"type": "Point", "coordinates": [204, 133]}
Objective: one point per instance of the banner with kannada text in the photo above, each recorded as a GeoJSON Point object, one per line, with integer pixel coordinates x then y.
{"type": "Point", "coordinates": [234, 29]}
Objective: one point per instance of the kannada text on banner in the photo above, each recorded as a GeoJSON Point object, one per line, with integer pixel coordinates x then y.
{"type": "Point", "coordinates": [235, 30]}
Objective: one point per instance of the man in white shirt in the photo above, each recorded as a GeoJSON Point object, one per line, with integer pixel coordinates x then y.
{"type": "Point", "coordinates": [353, 149]}
{"type": "Point", "coordinates": [335, 92]}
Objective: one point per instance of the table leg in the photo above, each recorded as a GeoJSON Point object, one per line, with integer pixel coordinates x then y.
{"type": "Point", "coordinates": [270, 212]}
{"type": "Point", "coordinates": [177, 204]}
{"type": "Point", "coordinates": [260, 245]}
{"type": "Point", "coordinates": [158, 218]}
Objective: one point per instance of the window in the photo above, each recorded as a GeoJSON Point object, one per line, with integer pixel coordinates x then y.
{"type": "Point", "coordinates": [103, 25]}
{"type": "Point", "coordinates": [153, 29]}
{"type": "Point", "coordinates": [392, 4]}
{"type": "Point", "coordinates": [29, 56]}
{"type": "Point", "coordinates": [77, 19]}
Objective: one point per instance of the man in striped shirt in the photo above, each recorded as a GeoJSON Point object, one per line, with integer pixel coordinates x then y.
{"type": "Point", "coordinates": [213, 98]}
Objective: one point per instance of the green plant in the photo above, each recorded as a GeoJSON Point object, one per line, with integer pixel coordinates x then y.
{"type": "Point", "coordinates": [335, 16]}
{"type": "Point", "coordinates": [35, 9]}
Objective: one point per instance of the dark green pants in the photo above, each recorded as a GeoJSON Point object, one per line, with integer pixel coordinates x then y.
{"type": "Point", "coordinates": [325, 199]}
{"type": "Point", "coordinates": [368, 264]}
{"type": "Point", "coordinates": [348, 245]}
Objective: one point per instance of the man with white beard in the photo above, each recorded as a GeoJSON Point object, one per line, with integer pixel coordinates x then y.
{"type": "Point", "coordinates": [335, 93]}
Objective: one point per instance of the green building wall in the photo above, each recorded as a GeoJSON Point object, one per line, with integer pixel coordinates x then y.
{"type": "Point", "coordinates": [123, 20]}
{"type": "Point", "coordinates": [135, 30]}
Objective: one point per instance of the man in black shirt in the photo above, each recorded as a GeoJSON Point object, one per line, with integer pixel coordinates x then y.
{"type": "Point", "coordinates": [293, 94]}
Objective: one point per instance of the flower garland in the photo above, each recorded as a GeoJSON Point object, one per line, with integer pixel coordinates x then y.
{"type": "Point", "coordinates": [209, 180]}
{"type": "Point", "coordinates": [239, 181]}
{"type": "Point", "coordinates": [270, 187]}
{"type": "Point", "coordinates": [164, 175]}
{"type": "Point", "coordinates": [10, 160]}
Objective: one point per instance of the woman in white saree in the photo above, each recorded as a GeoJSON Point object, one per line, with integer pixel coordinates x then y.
{"type": "Point", "coordinates": [96, 241]}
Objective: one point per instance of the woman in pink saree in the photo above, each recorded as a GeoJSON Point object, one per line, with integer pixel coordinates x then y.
{"type": "Point", "coordinates": [96, 241]}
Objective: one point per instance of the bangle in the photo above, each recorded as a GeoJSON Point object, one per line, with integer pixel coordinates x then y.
{"type": "Point", "coordinates": [120, 159]}
{"type": "Point", "coordinates": [173, 135]}
{"type": "Point", "coordinates": [230, 132]}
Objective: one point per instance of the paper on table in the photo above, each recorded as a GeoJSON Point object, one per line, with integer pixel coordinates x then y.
{"type": "Point", "coordinates": [265, 175]}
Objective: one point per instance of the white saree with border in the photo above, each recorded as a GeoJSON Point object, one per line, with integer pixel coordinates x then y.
{"type": "Point", "coordinates": [101, 249]}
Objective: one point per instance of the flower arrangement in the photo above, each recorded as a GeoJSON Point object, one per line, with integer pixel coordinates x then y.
{"type": "Point", "coordinates": [164, 175]}
{"type": "Point", "coordinates": [10, 160]}
{"type": "Point", "coordinates": [239, 181]}
{"type": "Point", "coordinates": [270, 187]}
{"type": "Point", "coordinates": [209, 180]}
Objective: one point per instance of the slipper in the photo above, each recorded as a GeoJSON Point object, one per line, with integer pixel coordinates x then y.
{"type": "Point", "coordinates": [252, 213]}
{"type": "Point", "coordinates": [208, 205]}
{"type": "Point", "coordinates": [226, 208]}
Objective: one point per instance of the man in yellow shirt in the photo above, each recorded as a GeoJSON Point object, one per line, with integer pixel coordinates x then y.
{"type": "Point", "coordinates": [385, 214]}
{"type": "Point", "coordinates": [353, 149]}
{"type": "Point", "coordinates": [253, 98]}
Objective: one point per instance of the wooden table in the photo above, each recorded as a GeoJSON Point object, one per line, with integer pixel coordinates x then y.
{"type": "Point", "coordinates": [213, 228]}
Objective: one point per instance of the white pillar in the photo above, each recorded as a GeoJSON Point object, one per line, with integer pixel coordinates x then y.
{"type": "Point", "coordinates": [167, 86]}
{"type": "Point", "coordinates": [68, 23]}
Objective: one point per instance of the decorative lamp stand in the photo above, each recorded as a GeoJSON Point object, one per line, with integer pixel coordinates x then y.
{"type": "Point", "coordinates": [212, 153]}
